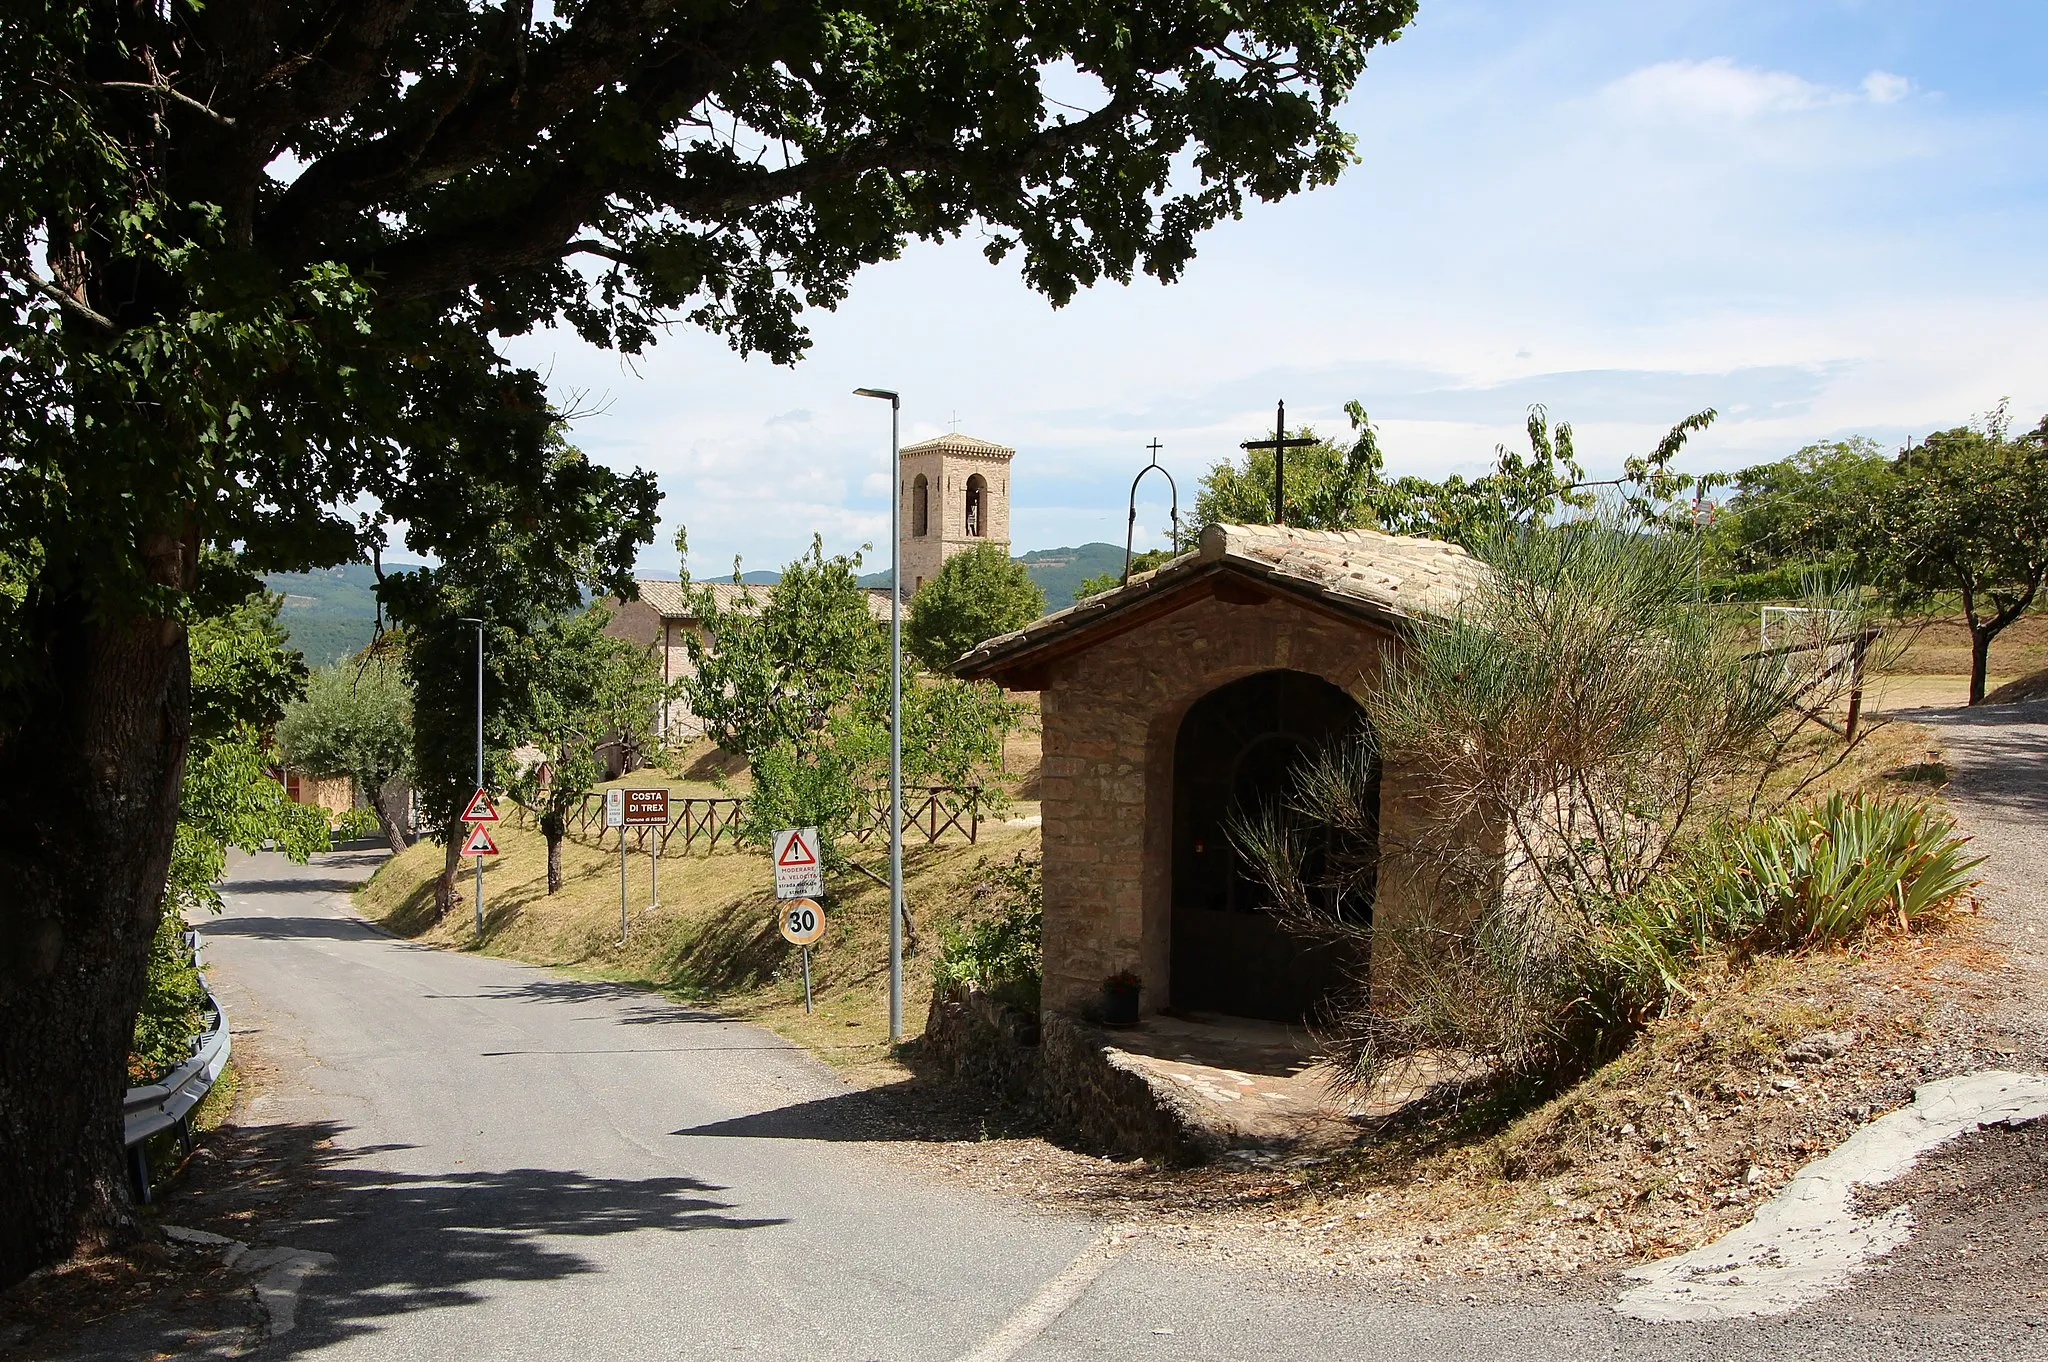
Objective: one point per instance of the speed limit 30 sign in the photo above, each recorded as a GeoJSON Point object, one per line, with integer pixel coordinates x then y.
{"type": "Point", "coordinates": [802, 921]}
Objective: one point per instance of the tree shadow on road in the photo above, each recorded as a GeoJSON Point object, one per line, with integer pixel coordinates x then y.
{"type": "Point", "coordinates": [916, 1109]}
{"type": "Point", "coordinates": [634, 1005]}
{"type": "Point", "coordinates": [402, 1241]}
{"type": "Point", "coordinates": [1998, 756]}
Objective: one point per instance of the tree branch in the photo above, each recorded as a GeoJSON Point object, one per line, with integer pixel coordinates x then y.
{"type": "Point", "coordinates": [176, 95]}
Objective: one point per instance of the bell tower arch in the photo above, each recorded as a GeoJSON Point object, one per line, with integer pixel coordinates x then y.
{"type": "Point", "coordinates": [956, 494]}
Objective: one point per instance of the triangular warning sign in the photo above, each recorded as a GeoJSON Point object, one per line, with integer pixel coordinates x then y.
{"type": "Point", "coordinates": [797, 854]}
{"type": "Point", "coordinates": [480, 809]}
{"type": "Point", "coordinates": [479, 842]}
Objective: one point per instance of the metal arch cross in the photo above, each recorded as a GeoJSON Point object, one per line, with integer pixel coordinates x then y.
{"type": "Point", "coordinates": [1131, 525]}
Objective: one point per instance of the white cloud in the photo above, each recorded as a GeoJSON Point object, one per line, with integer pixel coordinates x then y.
{"type": "Point", "coordinates": [1883, 87]}
{"type": "Point", "coordinates": [1717, 89]}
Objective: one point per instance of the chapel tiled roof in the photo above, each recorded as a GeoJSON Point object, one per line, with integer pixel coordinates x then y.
{"type": "Point", "coordinates": [1390, 577]}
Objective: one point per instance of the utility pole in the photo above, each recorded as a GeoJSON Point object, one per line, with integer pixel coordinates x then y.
{"type": "Point", "coordinates": [895, 712]}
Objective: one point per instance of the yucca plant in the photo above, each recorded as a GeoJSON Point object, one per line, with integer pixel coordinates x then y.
{"type": "Point", "coordinates": [1819, 875]}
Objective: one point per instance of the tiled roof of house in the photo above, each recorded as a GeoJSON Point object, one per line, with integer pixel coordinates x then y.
{"type": "Point", "coordinates": [669, 598]}
{"type": "Point", "coordinates": [1392, 577]}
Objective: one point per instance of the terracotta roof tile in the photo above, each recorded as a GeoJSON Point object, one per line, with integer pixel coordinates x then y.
{"type": "Point", "coordinates": [1395, 576]}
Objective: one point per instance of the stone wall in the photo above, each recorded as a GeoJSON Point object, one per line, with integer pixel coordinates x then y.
{"type": "Point", "coordinates": [1067, 1073]}
{"type": "Point", "coordinates": [1110, 716]}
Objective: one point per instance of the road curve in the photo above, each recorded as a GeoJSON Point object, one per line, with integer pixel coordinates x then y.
{"type": "Point", "coordinates": [518, 1165]}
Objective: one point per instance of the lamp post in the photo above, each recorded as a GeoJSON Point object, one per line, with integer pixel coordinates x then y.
{"type": "Point", "coordinates": [895, 713]}
{"type": "Point", "coordinates": [477, 902]}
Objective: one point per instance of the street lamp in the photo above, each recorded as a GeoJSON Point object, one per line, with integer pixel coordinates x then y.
{"type": "Point", "coordinates": [478, 903]}
{"type": "Point", "coordinates": [895, 713]}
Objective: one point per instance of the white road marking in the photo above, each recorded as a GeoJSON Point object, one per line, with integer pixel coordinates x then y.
{"type": "Point", "coordinates": [1807, 1241]}
{"type": "Point", "coordinates": [1058, 1296]}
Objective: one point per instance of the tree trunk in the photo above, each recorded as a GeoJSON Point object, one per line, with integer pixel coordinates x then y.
{"type": "Point", "coordinates": [1980, 660]}
{"type": "Point", "coordinates": [384, 801]}
{"type": "Point", "coordinates": [553, 826]}
{"type": "Point", "coordinates": [444, 887]}
{"type": "Point", "coordinates": [90, 772]}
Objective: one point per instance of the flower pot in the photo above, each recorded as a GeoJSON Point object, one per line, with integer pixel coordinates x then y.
{"type": "Point", "coordinates": [1120, 1007]}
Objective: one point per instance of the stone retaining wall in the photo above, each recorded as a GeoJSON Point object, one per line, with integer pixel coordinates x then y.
{"type": "Point", "coordinates": [1067, 1071]}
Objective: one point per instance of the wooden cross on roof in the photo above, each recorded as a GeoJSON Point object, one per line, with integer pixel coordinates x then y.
{"type": "Point", "coordinates": [1279, 444]}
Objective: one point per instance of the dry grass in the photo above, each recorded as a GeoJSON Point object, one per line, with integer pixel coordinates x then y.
{"type": "Point", "coordinates": [1941, 646]}
{"type": "Point", "coordinates": [714, 938]}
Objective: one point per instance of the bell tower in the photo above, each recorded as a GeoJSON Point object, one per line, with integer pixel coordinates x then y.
{"type": "Point", "coordinates": [956, 494]}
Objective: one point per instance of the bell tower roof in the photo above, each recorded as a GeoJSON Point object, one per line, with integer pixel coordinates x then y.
{"type": "Point", "coordinates": [957, 443]}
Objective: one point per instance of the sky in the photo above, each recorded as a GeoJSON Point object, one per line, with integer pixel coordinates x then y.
{"type": "Point", "coordinates": [1820, 217]}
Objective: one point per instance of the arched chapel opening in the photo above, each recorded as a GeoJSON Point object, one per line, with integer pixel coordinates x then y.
{"type": "Point", "coordinates": [1237, 751]}
{"type": "Point", "coordinates": [921, 506]}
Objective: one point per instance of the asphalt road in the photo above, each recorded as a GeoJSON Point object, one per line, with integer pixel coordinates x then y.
{"type": "Point", "coordinates": [517, 1165]}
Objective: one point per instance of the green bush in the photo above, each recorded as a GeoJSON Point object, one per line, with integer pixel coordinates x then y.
{"type": "Point", "coordinates": [1816, 876]}
{"type": "Point", "coordinates": [356, 824]}
{"type": "Point", "coordinates": [1001, 954]}
{"type": "Point", "coordinates": [172, 1000]}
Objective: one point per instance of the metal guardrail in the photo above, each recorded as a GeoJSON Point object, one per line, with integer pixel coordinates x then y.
{"type": "Point", "coordinates": [167, 1104]}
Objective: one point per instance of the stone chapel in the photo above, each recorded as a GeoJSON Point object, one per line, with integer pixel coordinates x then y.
{"type": "Point", "coordinates": [956, 494]}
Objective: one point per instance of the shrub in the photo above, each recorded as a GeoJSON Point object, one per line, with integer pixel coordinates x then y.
{"type": "Point", "coordinates": [172, 999]}
{"type": "Point", "coordinates": [356, 824]}
{"type": "Point", "coordinates": [1816, 876]}
{"type": "Point", "coordinates": [1587, 709]}
{"type": "Point", "coordinates": [1001, 954]}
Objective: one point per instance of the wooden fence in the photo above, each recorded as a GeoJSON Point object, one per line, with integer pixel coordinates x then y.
{"type": "Point", "coordinates": [929, 813]}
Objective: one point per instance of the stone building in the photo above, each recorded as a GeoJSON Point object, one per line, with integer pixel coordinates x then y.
{"type": "Point", "coordinates": [956, 494]}
{"type": "Point", "coordinates": [664, 619]}
{"type": "Point", "coordinates": [1187, 692]}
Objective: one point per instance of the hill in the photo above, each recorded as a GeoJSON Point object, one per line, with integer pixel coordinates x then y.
{"type": "Point", "coordinates": [328, 613]}
{"type": "Point", "coordinates": [1057, 571]}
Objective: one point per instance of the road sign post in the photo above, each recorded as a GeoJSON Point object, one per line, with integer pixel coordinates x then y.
{"type": "Point", "coordinates": [799, 868]}
{"type": "Point", "coordinates": [615, 817]}
{"type": "Point", "coordinates": [479, 815]}
{"type": "Point", "coordinates": [648, 809]}
{"type": "Point", "coordinates": [802, 922]}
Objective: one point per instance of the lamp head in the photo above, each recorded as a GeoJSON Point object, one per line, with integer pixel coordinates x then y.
{"type": "Point", "coordinates": [891, 397]}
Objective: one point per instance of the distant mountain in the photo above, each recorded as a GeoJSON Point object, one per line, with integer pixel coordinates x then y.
{"type": "Point", "coordinates": [1059, 571]}
{"type": "Point", "coordinates": [328, 614]}
{"type": "Point", "coordinates": [332, 613]}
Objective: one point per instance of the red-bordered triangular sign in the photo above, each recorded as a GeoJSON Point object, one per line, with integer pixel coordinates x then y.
{"type": "Point", "coordinates": [797, 854]}
{"type": "Point", "coordinates": [479, 842]}
{"type": "Point", "coordinates": [480, 809]}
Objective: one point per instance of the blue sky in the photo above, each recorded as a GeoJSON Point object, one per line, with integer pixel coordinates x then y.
{"type": "Point", "coordinates": [1821, 218]}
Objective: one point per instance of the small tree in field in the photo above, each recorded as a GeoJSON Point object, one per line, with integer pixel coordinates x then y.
{"type": "Point", "coordinates": [355, 721]}
{"type": "Point", "coordinates": [976, 595]}
{"type": "Point", "coordinates": [587, 689]}
{"type": "Point", "coordinates": [1965, 511]}
{"type": "Point", "coordinates": [801, 689]}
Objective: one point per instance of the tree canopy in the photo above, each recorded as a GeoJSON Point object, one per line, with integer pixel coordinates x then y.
{"type": "Point", "coordinates": [255, 260]}
{"type": "Point", "coordinates": [355, 721]}
{"type": "Point", "coordinates": [1964, 511]}
{"type": "Point", "coordinates": [977, 593]}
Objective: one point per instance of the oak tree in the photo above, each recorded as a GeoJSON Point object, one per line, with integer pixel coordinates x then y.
{"type": "Point", "coordinates": [255, 259]}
